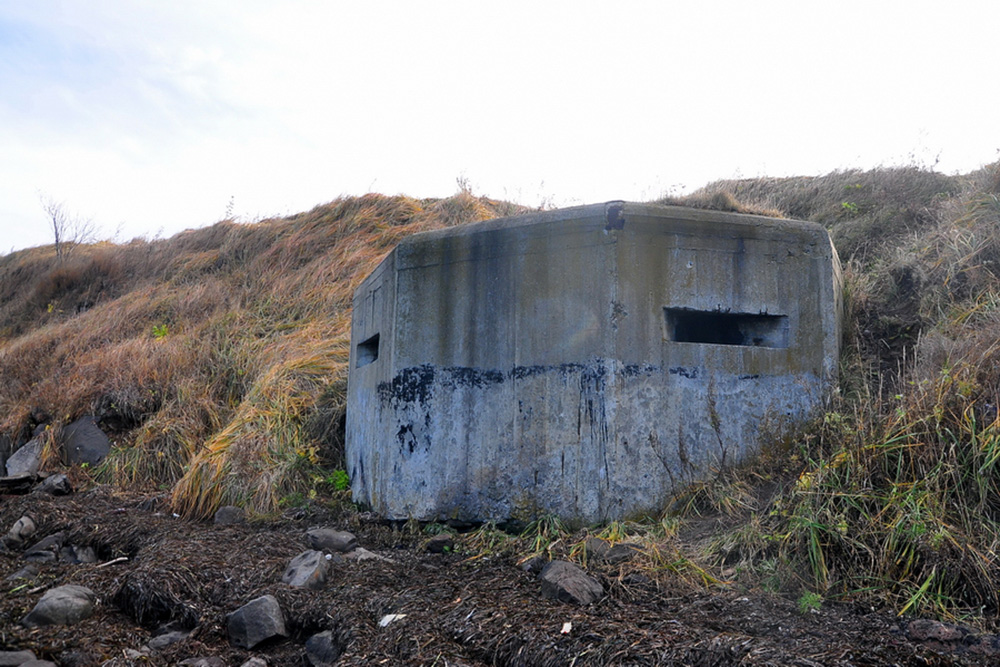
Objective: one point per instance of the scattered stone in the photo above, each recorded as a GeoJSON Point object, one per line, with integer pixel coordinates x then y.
{"type": "Point", "coordinates": [45, 551]}
{"type": "Point", "coordinates": [256, 622]}
{"type": "Point", "coordinates": [439, 544]}
{"type": "Point", "coordinates": [307, 570]}
{"type": "Point", "coordinates": [38, 663]}
{"type": "Point", "coordinates": [76, 555]}
{"type": "Point", "coordinates": [924, 629]}
{"type": "Point", "coordinates": [255, 662]}
{"type": "Point", "coordinates": [84, 442]}
{"type": "Point", "coordinates": [210, 661]}
{"type": "Point", "coordinates": [26, 459]}
{"type": "Point", "coordinates": [55, 485]}
{"type": "Point", "coordinates": [29, 571]}
{"type": "Point", "coordinates": [535, 564]}
{"type": "Point", "coordinates": [566, 582]}
{"type": "Point", "coordinates": [13, 658]}
{"type": "Point", "coordinates": [322, 650]}
{"type": "Point", "coordinates": [230, 515]}
{"type": "Point", "coordinates": [161, 642]}
{"type": "Point", "coordinates": [621, 553]}
{"type": "Point", "coordinates": [19, 533]}
{"type": "Point", "coordinates": [361, 553]}
{"type": "Point", "coordinates": [596, 548]}
{"type": "Point", "coordinates": [332, 540]}
{"type": "Point", "coordinates": [64, 605]}
{"type": "Point", "coordinates": [638, 580]}
{"type": "Point", "coordinates": [85, 554]}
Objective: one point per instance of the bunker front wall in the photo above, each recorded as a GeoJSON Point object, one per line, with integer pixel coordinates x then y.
{"type": "Point", "coordinates": [556, 365]}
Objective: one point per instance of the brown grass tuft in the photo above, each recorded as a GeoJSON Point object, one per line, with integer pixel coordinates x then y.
{"type": "Point", "coordinates": [216, 359]}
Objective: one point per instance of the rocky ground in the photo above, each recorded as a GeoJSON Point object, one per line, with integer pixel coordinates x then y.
{"type": "Point", "coordinates": [164, 587]}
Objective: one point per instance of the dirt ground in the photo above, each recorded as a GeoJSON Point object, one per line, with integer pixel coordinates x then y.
{"type": "Point", "coordinates": [460, 610]}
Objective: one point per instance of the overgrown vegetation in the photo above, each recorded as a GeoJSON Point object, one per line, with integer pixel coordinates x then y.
{"type": "Point", "coordinates": [895, 497]}
{"type": "Point", "coordinates": [217, 361]}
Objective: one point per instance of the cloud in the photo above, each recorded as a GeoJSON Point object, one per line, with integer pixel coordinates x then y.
{"type": "Point", "coordinates": [154, 114]}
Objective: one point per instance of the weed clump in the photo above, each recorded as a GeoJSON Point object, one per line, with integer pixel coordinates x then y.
{"type": "Point", "coordinates": [893, 498]}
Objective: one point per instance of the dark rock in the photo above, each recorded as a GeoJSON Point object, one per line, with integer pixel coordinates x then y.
{"type": "Point", "coordinates": [439, 544]}
{"type": "Point", "coordinates": [29, 571]}
{"type": "Point", "coordinates": [210, 661]}
{"type": "Point", "coordinates": [638, 580]}
{"type": "Point", "coordinates": [535, 564]}
{"type": "Point", "coordinates": [160, 642]}
{"type": "Point", "coordinates": [307, 570]}
{"type": "Point", "coordinates": [84, 554]}
{"type": "Point", "coordinates": [255, 662]}
{"type": "Point", "coordinates": [566, 582]}
{"type": "Point", "coordinates": [13, 658]}
{"type": "Point", "coordinates": [38, 663]}
{"type": "Point", "coordinates": [64, 605]}
{"type": "Point", "coordinates": [19, 533]}
{"type": "Point", "coordinates": [26, 459]}
{"type": "Point", "coordinates": [256, 622]}
{"type": "Point", "coordinates": [332, 540]}
{"type": "Point", "coordinates": [924, 629]}
{"type": "Point", "coordinates": [84, 442]}
{"type": "Point", "coordinates": [230, 515]}
{"type": "Point", "coordinates": [621, 553]}
{"type": "Point", "coordinates": [322, 650]}
{"type": "Point", "coordinates": [56, 485]}
{"type": "Point", "coordinates": [596, 548]}
{"type": "Point", "coordinates": [45, 551]}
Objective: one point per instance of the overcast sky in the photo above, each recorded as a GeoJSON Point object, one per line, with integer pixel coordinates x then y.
{"type": "Point", "coordinates": [153, 116]}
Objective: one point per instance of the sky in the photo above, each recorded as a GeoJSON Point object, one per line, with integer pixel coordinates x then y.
{"type": "Point", "coordinates": [148, 117]}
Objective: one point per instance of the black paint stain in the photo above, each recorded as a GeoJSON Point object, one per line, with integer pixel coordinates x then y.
{"type": "Point", "coordinates": [411, 385]}
{"type": "Point", "coordinates": [406, 438]}
{"type": "Point", "coordinates": [689, 373]}
{"type": "Point", "coordinates": [635, 370]}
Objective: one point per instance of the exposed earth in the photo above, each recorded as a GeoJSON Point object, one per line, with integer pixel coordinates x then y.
{"type": "Point", "coordinates": [461, 607]}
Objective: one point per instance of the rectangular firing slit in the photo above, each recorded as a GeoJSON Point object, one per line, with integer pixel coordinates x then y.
{"type": "Point", "coordinates": [687, 325]}
{"type": "Point", "coordinates": [367, 351]}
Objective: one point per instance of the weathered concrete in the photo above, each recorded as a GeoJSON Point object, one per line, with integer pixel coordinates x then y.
{"type": "Point", "coordinates": [583, 362]}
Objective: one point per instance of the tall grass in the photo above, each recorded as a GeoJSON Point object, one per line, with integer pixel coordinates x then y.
{"type": "Point", "coordinates": [896, 499]}
{"type": "Point", "coordinates": [215, 359]}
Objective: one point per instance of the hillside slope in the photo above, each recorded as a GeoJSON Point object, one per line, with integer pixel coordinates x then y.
{"type": "Point", "coordinates": [216, 359]}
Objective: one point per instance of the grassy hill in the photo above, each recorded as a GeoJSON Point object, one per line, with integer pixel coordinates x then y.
{"type": "Point", "coordinates": [217, 360]}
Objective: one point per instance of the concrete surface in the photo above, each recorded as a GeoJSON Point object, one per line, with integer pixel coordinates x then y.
{"type": "Point", "coordinates": [583, 362]}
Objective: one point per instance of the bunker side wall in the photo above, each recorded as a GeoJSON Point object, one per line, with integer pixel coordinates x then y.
{"type": "Point", "coordinates": [533, 369]}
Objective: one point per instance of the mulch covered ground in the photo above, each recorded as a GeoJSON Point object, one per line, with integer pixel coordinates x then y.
{"type": "Point", "coordinates": [459, 610]}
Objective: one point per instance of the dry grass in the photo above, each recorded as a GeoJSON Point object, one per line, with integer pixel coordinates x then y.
{"type": "Point", "coordinates": [894, 496]}
{"type": "Point", "coordinates": [215, 359]}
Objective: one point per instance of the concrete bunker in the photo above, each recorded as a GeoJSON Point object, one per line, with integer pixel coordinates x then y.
{"type": "Point", "coordinates": [583, 362]}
